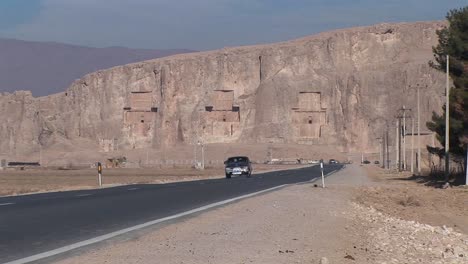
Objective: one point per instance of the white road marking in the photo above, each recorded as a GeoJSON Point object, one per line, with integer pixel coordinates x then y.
{"type": "Point", "coordinates": [132, 189]}
{"type": "Point", "coordinates": [84, 195]}
{"type": "Point", "coordinates": [140, 226]}
{"type": "Point", "coordinates": [3, 204]}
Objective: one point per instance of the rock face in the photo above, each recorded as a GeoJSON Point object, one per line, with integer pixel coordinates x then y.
{"type": "Point", "coordinates": [340, 88]}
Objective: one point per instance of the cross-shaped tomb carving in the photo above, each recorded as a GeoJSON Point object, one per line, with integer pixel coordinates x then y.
{"type": "Point", "coordinates": [139, 115]}
{"type": "Point", "coordinates": [309, 116]}
{"type": "Point", "coordinates": [221, 117]}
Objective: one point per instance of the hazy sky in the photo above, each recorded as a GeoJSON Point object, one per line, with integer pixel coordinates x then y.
{"type": "Point", "coordinates": [200, 24]}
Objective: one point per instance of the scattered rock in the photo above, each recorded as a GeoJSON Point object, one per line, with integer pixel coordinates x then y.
{"type": "Point", "coordinates": [446, 185]}
{"type": "Point", "coordinates": [324, 260]}
{"type": "Point", "coordinates": [409, 201]}
{"type": "Point", "coordinates": [395, 240]}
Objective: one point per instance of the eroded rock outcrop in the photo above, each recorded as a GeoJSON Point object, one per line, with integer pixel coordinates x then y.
{"type": "Point", "coordinates": [339, 88]}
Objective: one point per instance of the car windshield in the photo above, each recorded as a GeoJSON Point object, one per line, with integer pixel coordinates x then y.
{"type": "Point", "coordinates": [237, 160]}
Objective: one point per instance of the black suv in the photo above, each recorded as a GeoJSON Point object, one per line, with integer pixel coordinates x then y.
{"type": "Point", "coordinates": [238, 166]}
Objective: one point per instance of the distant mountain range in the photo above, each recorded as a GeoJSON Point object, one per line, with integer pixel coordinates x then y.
{"type": "Point", "coordinates": [48, 67]}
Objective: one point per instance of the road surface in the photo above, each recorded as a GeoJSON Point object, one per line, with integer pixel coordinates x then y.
{"type": "Point", "coordinates": [33, 224]}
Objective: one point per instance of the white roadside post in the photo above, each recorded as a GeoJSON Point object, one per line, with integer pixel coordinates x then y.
{"type": "Point", "coordinates": [321, 169]}
{"type": "Point", "coordinates": [99, 167]}
{"type": "Point", "coordinates": [202, 163]}
{"type": "Point", "coordinates": [466, 167]}
{"type": "Point", "coordinates": [203, 155]}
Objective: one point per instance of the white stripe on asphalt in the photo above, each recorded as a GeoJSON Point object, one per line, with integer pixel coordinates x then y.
{"type": "Point", "coordinates": [84, 195]}
{"type": "Point", "coordinates": [132, 189]}
{"type": "Point", "coordinates": [140, 226]}
{"type": "Point", "coordinates": [3, 204]}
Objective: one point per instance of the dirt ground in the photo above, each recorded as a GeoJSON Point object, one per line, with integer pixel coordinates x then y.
{"type": "Point", "coordinates": [409, 222]}
{"type": "Point", "coordinates": [363, 216]}
{"type": "Point", "coordinates": [399, 196]}
{"type": "Point", "coordinates": [14, 182]}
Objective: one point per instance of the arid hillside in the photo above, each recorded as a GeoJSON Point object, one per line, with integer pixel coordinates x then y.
{"type": "Point", "coordinates": [341, 89]}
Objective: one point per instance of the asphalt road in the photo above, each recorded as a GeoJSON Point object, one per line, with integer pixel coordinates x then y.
{"type": "Point", "coordinates": [33, 224]}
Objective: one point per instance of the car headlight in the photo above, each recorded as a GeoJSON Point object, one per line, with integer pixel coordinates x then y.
{"type": "Point", "coordinates": [229, 169]}
{"type": "Point", "coordinates": [245, 168]}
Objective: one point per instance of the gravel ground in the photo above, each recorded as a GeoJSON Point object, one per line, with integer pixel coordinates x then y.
{"type": "Point", "coordinates": [393, 240]}
{"type": "Point", "coordinates": [297, 224]}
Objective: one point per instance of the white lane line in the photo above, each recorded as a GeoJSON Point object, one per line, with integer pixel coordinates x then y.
{"type": "Point", "coordinates": [84, 195]}
{"type": "Point", "coordinates": [3, 204]}
{"type": "Point", "coordinates": [133, 228]}
{"type": "Point", "coordinates": [132, 189]}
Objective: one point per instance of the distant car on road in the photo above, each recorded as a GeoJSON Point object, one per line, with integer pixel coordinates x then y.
{"type": "Point", "coordinates": [332, 161]}
{"type": "Point", "coordinates": [240, 165]}
{"type": "Point", "coordinates": [366, 162]}
{"type": "Point", "coordinates": [377, 162]}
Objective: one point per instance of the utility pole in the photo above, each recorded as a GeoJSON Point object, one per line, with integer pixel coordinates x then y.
{"type": "Point", "coordinates": [412, 144]}
{"type": "Point", "coordinates": [197, 139]}
{"type": "Point", "coordinates": [397, 143]}
{"type": "Point", "coordinates": [447, 127]}
{"type": "Point", "coordinates": [419, 133]}
{"type": "Point", "coordinates": [387, 148]}
{"type": "Point", "coordinates": [380, 149]}
{"type": "Point", "coordinates": [404, 138]}
{"type": "Point", "coordinates": [384, 149]}
{"type": "Point", "coordinates": [402, 115]}
{"type": "Point", "coordinates": [418, 143]}
{"type": "Point", "coordinates": [201, 140]}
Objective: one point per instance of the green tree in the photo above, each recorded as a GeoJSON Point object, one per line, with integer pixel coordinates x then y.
{"type": "Point", "coordinates": [453, 41]}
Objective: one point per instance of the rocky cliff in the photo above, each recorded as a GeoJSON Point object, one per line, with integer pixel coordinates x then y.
{"type": "Point", "coordinates": [339, 88]}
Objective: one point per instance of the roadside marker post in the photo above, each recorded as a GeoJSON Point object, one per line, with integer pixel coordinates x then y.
{"type": "Point", "coordinates": [99, 168]}
{"type": "Point", "coordinates": [323, 177]}
{"type": "Point", "coordinates": [466, 167]}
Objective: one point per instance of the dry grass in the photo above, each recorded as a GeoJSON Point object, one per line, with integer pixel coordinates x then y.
{"type": "Point", "coordinates": [409, 201]}
{"type": "Point", "coordinates": [395, 195]}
